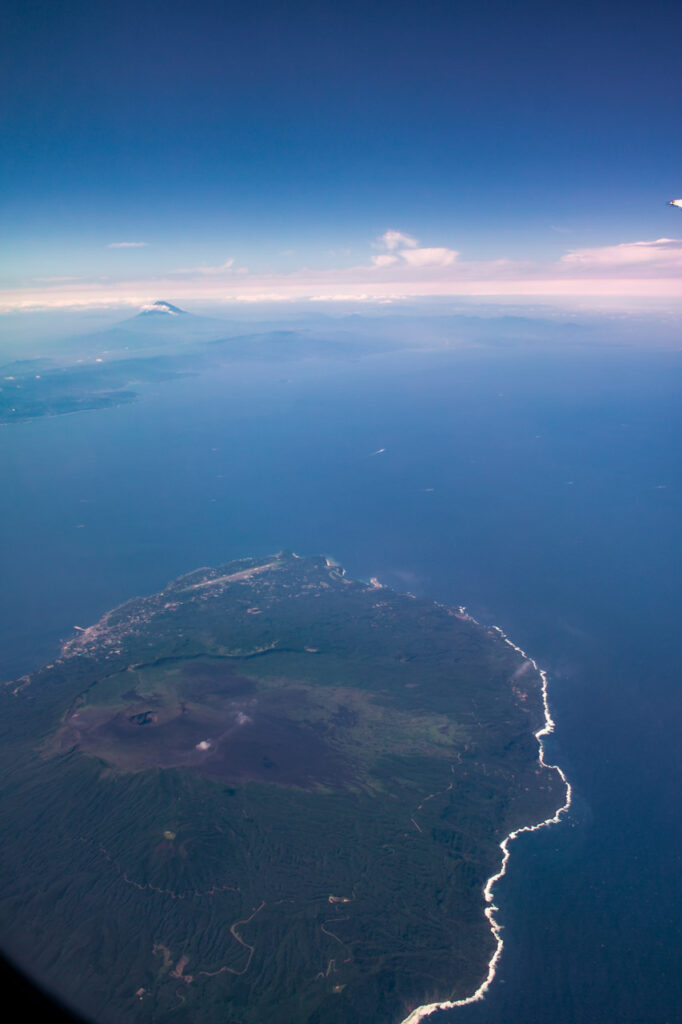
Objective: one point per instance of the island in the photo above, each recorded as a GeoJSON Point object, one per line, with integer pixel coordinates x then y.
{"type": "Point", "coordinates": [268, 793]}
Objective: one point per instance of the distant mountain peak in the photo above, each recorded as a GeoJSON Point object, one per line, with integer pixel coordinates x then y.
{"type": "Point", "coordinates": [161, 308]}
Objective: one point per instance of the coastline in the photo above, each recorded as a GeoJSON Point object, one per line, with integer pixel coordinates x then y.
{"type": "Point", "coordinates": [422, 1012]}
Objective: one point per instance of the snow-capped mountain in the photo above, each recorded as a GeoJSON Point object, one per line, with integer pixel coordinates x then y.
{"type": "Point", "coordinates": [161, 308]}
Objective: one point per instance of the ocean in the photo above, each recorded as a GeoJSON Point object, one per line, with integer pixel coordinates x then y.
{"type": "Point", "coordinates": [540, 488]}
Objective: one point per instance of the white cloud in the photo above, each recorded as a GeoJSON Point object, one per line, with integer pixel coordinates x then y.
{"type": "Point", "coordinates": [660, 250]}
{"type": "Point", "coordinates": [405, 248]}
{"type": "Point", "coordinates": [396, 240]}
{"type": "Point", "coordinates": [429, 257]}
{"type": "Point", "coordinates": [126, 245]}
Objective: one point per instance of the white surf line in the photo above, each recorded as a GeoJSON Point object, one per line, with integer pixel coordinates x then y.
{"type": "Point", "coordinates": [420, 1012]}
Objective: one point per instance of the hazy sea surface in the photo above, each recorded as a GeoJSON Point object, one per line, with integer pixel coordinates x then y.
{"type": "Point", "coordinates": [542, 490]}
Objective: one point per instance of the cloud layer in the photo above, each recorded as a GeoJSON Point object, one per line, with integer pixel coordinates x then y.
{"type": "Point", "coordinates": [663, 252]}
{"type": "Point", "coordinates": [399, 268]}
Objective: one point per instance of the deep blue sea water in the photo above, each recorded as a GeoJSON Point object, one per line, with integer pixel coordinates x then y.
{"type": "Point", "coordinates": [542, 490]}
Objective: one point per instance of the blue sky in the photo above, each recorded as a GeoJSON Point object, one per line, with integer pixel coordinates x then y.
{"type": "Point", "coordinates": [289, 138]}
